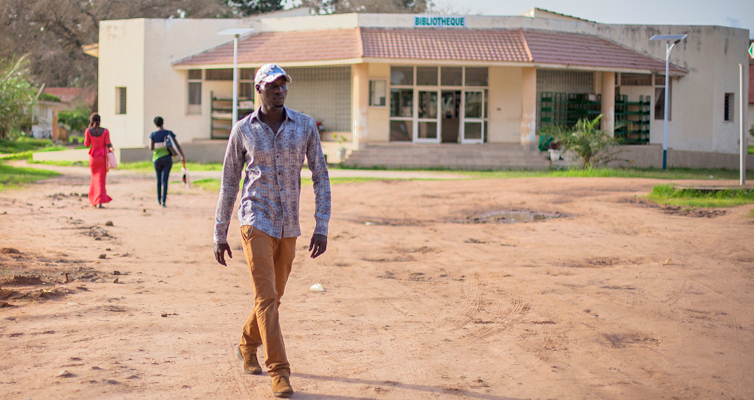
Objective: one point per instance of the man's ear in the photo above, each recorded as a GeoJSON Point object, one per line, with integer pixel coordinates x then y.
{"type": "Point", "coordinates": [257, 88]}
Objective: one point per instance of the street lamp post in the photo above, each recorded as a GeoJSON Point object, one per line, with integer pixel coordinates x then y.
{"type": "Point", "coordinates": [236, 34]}
{"type": "Point", "coordinates": [669, 47]}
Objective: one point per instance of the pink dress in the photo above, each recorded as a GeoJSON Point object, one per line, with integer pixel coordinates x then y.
{"type": "Point", "coordinates": [98, 166]}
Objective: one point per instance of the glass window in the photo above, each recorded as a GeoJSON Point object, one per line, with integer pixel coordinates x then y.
{"type": "Point", "coordinates": [194, 98]}
{"type": "Point", "coordinates": [728, 107]}
{"type": "Point", "coordinates": [400, 131]}
{"type": "Point", "coordinates": [223, 74]}
{"type": "Point", "coordinates": [473, 105]}
{"type": "Point", "coordinates": [476, 76]}
{"type": "Point", "coordinates": [402, 103]}
{"type": "Point", "coordinates": [426, 76]}
{"type": "Point", "coordinates": [635, 79]}
{"type": "Point", "coordinates": [377, 93]}
{"type": "Point", "coordinates": [427, 104]}
{"type": "Point", "coordinates": [402, 75]}
{"type": "Point", "coordinates": [660, 103]}
{"type": "Point", "coordinates": [472, 130]}
{"type": "Point", "coordinates": [427, 130]}
{"type": "Point", "coordinates": [195, 74]}
{"type": "Point", "coordinates": [120, 100]}
{"type": "Point", "coordinates": [451, 76]}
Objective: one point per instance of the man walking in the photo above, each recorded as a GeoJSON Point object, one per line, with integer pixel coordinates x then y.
{"type": "Point", "coordinates": [268, 147]}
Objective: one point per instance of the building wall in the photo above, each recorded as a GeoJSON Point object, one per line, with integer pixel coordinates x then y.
{"type": "Point", "coordinates": [137, 54]}
{"type": "Point", "coordinates": [166, 89]}
{"type": "Point", "coordinates": [505, 104]}
{"type": "Point", "coordinates": [121, 64]}
{"type": "Point", "coordinates": [378, 118]}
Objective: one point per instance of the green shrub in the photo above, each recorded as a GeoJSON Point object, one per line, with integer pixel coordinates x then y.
{"type": "Point", "coordinates": [49, 97]}
{"type": "Point", "coordinates": [592, 146]}
{"type": "Point", "coordinates": [77, 119]}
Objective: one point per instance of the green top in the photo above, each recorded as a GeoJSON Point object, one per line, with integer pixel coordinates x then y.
{"type": "Point", "coordinates": [159, 140]}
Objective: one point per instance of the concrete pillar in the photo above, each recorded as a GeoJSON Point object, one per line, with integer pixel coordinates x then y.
{"type": "Point", "coordinates": [529, 106]}
{"type": "Point", "coordinates": [608, 102]}
{"type": "Point", "coordinates": [359, 103]}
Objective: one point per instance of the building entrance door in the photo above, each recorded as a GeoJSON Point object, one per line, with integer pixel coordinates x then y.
{"type": "Point", "coordinates": [428, 128]}
{"type": "Point", "coordinates": [472, 125]}
{"type": "Point", "coordinates": [450, 116]}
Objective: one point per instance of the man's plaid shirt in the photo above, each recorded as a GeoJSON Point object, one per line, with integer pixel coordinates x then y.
{"type": "Point", "coordinates": [271, 166]}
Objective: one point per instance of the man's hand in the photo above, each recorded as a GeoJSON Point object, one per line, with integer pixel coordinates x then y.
{"type": "Point", "coordinates": [221, 248]}
{"type": "Point", "coordinates": [317, 246]}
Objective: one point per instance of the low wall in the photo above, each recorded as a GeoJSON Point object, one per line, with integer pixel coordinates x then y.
{"type": "Point", "coordinates": [204, 151]}
{"type": "Point", "coordinates": [651, 156]}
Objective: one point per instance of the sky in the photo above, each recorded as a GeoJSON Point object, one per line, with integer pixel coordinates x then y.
{"type": "Point", "coordinates": [733, 13]}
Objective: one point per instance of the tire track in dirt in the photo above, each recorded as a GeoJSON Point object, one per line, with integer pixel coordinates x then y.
{"type": "Point", "coordinates": [515, 314]}
{"type": "Point", "coordinates": [462, 313]}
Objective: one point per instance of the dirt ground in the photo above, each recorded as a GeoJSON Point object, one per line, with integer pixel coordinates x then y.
{"type": "Point", "coordinates": [429, 294]}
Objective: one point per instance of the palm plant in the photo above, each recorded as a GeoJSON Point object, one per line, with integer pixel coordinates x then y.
{"type": "Point", "coordinates": [592, 146]}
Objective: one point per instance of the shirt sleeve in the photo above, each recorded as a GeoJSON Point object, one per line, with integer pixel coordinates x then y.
{"type": "Point", "coordinates": [107, 137]}
{"type": "Point", "coordinates": [232, 169]}
{"type": "Point", "coordinates": [87, 138]}
{"type": "Point", "coordinates": [320, 177]}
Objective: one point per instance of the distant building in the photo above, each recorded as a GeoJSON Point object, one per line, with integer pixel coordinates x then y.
{"type": "Point", "coordinates": [72, 96]}
{"type": "Point", "coordinates": [419, 80]}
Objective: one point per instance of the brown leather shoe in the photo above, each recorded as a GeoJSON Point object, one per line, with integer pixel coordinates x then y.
{"type": "Point", "coordinates": [281, 386]}
{"type": "Point", "coordinates": [250, 366]}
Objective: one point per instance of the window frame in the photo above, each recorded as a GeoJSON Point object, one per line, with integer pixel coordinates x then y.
{"type": "Point", "coordinates": [121, 100]}
{"type": "Point", "coordinates": [414, 120]}
{"type": "Point", "coordinates": [194, 109]}
{"type": "Point", "coordinates": [729, 107]}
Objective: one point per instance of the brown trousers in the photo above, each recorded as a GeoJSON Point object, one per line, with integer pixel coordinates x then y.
{"type": "Point", "coordinates": [270, 262]}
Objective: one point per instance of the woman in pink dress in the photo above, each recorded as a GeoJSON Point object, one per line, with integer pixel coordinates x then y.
{"type": "Point", "coordinates": [99, 139]}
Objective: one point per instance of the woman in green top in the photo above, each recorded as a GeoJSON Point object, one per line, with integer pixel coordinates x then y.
{"type": "Point", "coordinates": [163, 161]}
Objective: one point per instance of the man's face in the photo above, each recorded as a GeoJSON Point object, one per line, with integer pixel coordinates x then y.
{"type": "Point", "coordinates": [273, 93]}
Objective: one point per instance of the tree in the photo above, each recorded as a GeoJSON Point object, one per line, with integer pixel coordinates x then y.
{"type": "Point", "coordinates": [17, 96]}
{"type": "Point", "coordinates": [592, 146]}
{"type": "Point", "coordinates": [52, 32]}
{"type": "Point", "coordinates": [367, 6]}
{"type": "Point", "coordinates": [253, 7]}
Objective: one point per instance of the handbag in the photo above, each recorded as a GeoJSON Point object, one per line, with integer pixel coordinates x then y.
{"type": "Point", "coordinates": [112, 163]}
{"type": "Point", "coordinates": [170, 146]}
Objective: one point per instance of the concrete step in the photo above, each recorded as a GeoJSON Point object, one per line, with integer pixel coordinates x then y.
{"type": "Point", "coordinates": [482, 157]}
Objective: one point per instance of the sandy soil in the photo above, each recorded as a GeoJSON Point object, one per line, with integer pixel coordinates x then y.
{"type": "Point", "coordinates": [427, 295]}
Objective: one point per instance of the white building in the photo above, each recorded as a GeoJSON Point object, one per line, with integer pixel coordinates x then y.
{"type": "Point", "coordinates": [415, 85]}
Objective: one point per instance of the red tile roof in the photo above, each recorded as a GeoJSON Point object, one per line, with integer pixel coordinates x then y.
{"type": "Point", "coordinates": [588, 51]}
{"type": "Point", "coordinates": [445, 44]}
{"type": "Point", "coordinates": [67, 94]}
{"type": "Point", "coordinates": [281, 47]}
{"type": "Point", "coordinates": [494, 45]}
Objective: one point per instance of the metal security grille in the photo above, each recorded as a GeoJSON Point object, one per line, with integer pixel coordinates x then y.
{"type": "Point", "coordinates": [557, 81]}
{"type": "Point", "coordinates": [324, 93]}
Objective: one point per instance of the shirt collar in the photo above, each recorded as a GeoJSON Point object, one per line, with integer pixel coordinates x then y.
{"type": "Point", "coordinates": [255, 114]}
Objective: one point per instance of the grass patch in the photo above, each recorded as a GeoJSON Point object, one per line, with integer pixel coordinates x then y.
{"type": "Point", "coordinates": [751, 149]}
{"type": "Point", "coordinates": [23, 148]}
{"type": "Point", "coordinates": [149, 166]}
{"type": "Point", "coordinates": [14, 177]}
{"type": "Point", "coordinates": [23, 144]}
{"type": "Point", "coordinates": [668, 194]}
